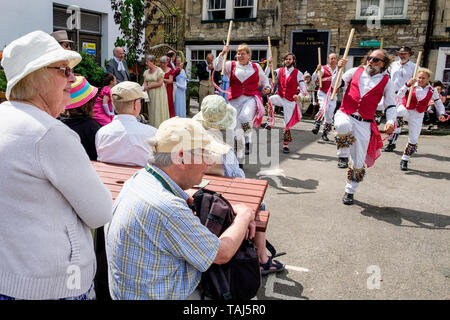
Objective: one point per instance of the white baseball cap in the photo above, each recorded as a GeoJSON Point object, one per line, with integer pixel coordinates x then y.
{"type": "Point", "coordinates": [32, 52]}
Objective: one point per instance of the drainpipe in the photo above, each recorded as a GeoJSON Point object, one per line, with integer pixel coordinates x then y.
{"type": "Point", "coordinates": [429, 33]}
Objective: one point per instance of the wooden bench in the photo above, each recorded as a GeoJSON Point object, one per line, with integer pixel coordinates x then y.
{"type": "Point", "coordinates": [235, 190]}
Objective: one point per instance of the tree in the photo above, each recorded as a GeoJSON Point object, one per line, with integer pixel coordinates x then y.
{"type": "Point", "coordinates": [132, 19]}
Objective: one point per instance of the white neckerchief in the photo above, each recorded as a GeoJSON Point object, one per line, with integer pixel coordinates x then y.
{"type": "Point", "coordinates": [120, 66]}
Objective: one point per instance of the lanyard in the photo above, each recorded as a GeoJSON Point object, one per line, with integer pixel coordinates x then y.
{"type": "Point", "coordinates": [159, 178]}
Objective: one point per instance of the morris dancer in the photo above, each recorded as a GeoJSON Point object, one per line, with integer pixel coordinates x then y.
{"type": "Point", "coordinates": [289, 79]}
{"type": "Point", "coordinates": [357, 134]}
{"type": "Point", "coordinates": [400, 71]}
{"type": "Point", "coordinates": [326, 105]}
{"type": "Point", "coordinates": [422, 94]}
{"type": "Point", "coordinates": [244, 94]}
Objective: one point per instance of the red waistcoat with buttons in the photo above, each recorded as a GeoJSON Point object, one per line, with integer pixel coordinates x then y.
{"type": "Point", "coordinates": [287, 88]}
{"type": "Point", "coordinates": [248, 88]}
{"type": "Point", "coordinates": [326, 79]}
{"type": "Point", "coordinates": [367, 105]}
{"type": "Point", "coordinates": [420, 106]}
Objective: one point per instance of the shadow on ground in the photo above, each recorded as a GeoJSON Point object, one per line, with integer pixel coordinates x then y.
{"type": "Point", "coordinates": [280, 287]}
{"type": "Point", "coordinates": [398, 216]}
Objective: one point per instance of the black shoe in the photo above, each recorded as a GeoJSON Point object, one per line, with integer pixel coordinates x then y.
{"type": "Point", "coordinates": [348, 199]}
{"type": "Point", "coordinates": [404, 165]}
{"type": "Point", "coordinates": [247, 148]}
{"type": "Point", "coordinates": [316, 128]}
{"type": "Point", "coordinates": [342, 163]}
{"type": "Point", "coordinates": [325, 137]}
{"type": "Point", "coordinates": [286, 149]}
{"type": "Point", "coordinates": [241, 165]}
{"type": "Point", "coordinates": [390, 147]}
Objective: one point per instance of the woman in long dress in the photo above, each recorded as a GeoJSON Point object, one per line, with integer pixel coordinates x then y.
{"type": "Point", "coordinates": [158, 106]}
{"type": "Point", "coordinates": [169, 75]}
{"type": "Point", "coordinates": [180, 95]}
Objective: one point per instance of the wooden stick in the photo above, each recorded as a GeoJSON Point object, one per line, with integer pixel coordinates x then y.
{"type": "Point", "coordinates": [228, 43]}
{"type": "Point", "coordinates": [270, 55]}
{"type": "Point", "coordinates": [320, 71]}
{"type": "Point", "coordinates": [415, 76]}
{"type": "Point", "coordinates": [381, 46]}
{"type": "Point", "coordinates": [341, 70]}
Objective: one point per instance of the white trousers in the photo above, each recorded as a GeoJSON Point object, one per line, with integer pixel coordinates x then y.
{"type": "Point", "coordinates": [246, 110]}
{"type": "Point", "coordinates": [328, 118]}
{"type": "Point", "coordinates": [415, 121]}
{"type": "Point", "coordinates": [357, 152]}
{"type": "Point", "coordinates": [288, 106]}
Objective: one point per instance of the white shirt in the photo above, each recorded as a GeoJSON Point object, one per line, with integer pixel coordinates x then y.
{"type": "Point", "coordinates": [288, 71]}
{"type": "Point", "coordinates": [421, 93]}
{"type": "Point", "coordinates": [315, 75]}
{"type": "Point", "coordinates": [400, 74]}
{"type": "Point", "coordinates": [367, 83]}
{"type": "Point", "coordinates": [124, 141]}
{"type": "Point", "coordinates": [242, 72]}
{"type": "Point", "coordinates": [120, 66]}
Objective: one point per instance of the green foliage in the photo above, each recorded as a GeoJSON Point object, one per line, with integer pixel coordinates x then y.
{"type": "Point", "coordinates": [89, 68]}
{"type": "Point", "coordinates": [2, 81]}
{"type": "Point", "coordinates": [193, 88]}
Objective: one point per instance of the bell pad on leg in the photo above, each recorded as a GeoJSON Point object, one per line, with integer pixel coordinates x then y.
{"type": "Point", "coordinates": [344, 140]}
{"type": "Point", "coordinates": [356, 175]}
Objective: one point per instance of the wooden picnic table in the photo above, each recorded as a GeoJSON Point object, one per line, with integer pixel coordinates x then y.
{"type": "Point", "coordinates": [235, 190]}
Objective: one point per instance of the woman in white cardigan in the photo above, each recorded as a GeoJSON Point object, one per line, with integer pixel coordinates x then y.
{"type": "Point", "coordinates": [50, 195]}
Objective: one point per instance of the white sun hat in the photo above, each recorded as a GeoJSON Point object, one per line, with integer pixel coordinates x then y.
{"type": "Point", "coordinates": [216, 113]}
{"type": "Point", "coordinates": [32, 52]}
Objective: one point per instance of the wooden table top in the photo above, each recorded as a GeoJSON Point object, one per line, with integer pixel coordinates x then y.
{"type": "Point", "coordinates": [235, 190]}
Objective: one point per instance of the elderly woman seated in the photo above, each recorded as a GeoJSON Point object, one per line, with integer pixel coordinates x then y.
{"type": "Point", "coordinates": [50, 194]}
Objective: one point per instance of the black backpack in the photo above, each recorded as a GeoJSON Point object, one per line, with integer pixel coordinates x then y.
{"type": "Point", "coordinates": [240, 278]}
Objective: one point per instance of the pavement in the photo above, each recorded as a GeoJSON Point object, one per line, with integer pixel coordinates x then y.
{"type": "Point", "coordinates": [393, 243]}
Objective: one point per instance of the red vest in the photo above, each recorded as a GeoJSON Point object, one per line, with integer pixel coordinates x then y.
{"type": "Point", "coordinates": [326, 79]}
{"type": "Point", "coordinates": [422, 105]}
{"type": "Point", "coordinates": [248, 88]}
{"type": "Point", "coordinates": [367, 105]}
{"type": "Point", "coordinates": [287, 88]}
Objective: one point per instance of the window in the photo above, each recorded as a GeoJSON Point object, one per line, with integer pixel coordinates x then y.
{"type": "Point", "coordinates": [243, 9]}
{"type": "Point", "coordinates": [382, 9]}
{"type": "Point", "coordinates": [217, 9]}
{"type": "Point", "coordinates": [446, 73]}
{"type": "Point", "coordinates": [198, 56]}
{"type": "Point", "coordinates": [229, 9]}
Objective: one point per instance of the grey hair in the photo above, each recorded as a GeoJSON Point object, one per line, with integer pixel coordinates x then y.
{"type": "Point", "coordinates": [158, 159]}
{"type": "Point", "coordinates": [150, 58]}
{"type": "Point", "coordinates": [164, 59]}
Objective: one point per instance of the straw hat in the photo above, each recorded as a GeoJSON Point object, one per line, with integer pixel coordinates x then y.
{"type": "Point", "coordinates": [32, 52]}
{"type": "Point", "coordinates": [81, 92]}
{"type": "Point", "coordinates": [405, 49]}
{"type": "Point", "coordinates": [216, 113]}
{"type": "Point", "coordinates": [61, 36]}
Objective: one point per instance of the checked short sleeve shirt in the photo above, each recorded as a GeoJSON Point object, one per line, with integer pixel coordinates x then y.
{"type": "Point", "coordinates": [156, 248]}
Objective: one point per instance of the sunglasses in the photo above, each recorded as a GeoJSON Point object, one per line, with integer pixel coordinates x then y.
{"type": "Point", "coordinates": [67, 70]}
{"type": "Point", "coordinates": [65, 45]}
{"type": "Point", "coordinates": [374, 59]}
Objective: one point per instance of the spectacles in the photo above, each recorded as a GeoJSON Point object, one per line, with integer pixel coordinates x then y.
{"type": "Point", "coordinates": [65, 45]}
{"type": "Point", "coordinates": [375, 59]}
{"type": "Point", "coordinates": [67, 70]}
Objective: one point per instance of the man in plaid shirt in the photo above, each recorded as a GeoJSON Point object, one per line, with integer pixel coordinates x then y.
{"type": "Point", "coordinates": [156, 248]}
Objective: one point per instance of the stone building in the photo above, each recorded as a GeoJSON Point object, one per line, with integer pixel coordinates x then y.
{"type": "Point", "coordinates": [438, 45]}
{"type": "Point", "coordinates": [302, 26]}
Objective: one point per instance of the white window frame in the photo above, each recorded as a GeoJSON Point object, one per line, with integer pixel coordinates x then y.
{"type": "Point", "coordinates": [440, 64]}
{"type": "Point", "coordinates": [381, 14]}
{"type": "Point", "coordinates": [215, 50]}
{"type": "Point", "coordinates": [229, 10]}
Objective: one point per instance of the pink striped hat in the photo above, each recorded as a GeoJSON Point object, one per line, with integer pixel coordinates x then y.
{"type": "Point", "coordinates": [81, 92]}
